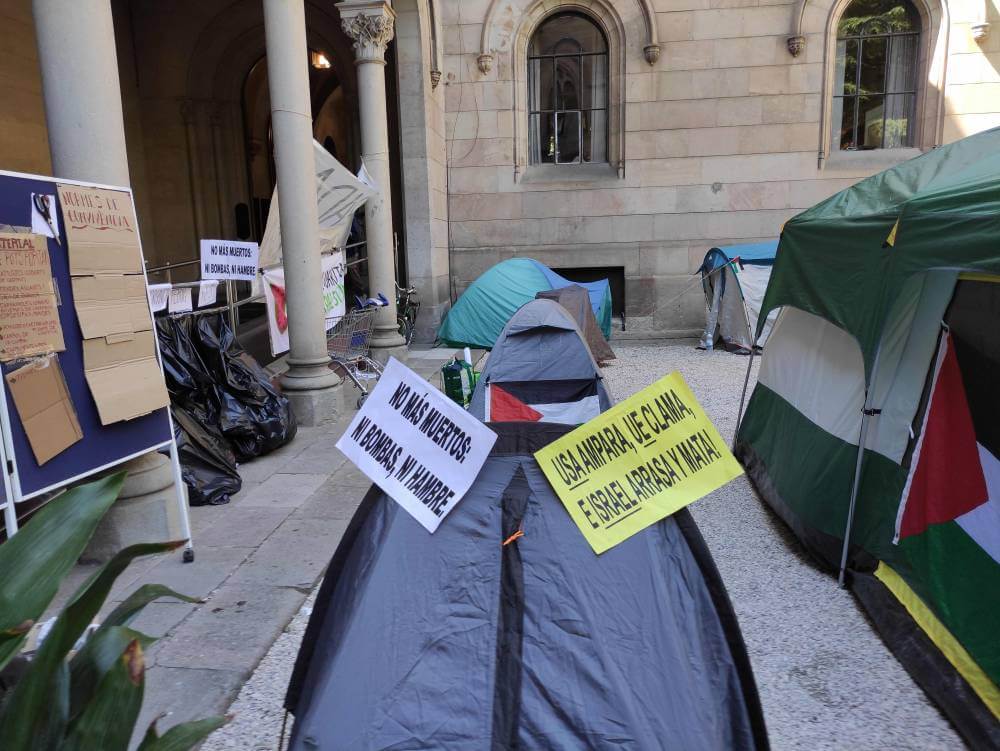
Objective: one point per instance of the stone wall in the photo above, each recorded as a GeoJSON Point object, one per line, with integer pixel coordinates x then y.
{"type": "Point", "coordinates": [721, 138]}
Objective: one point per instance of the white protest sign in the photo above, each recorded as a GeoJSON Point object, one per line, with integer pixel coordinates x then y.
{"type": "Point", "coordinates": [416, 444]}
{"type": "Point", "coordinates": [225, 259]}
{"type": "Point", "coordinates": [208, 292]}
{"type": "Point", "coordinates": [338, 195]}
{"type": "Point", "coordinates": [334, 302]}
{"type": "Point", "coordinates": [159, 294]}
{"type": "Point", "coordinates": [180, 300]}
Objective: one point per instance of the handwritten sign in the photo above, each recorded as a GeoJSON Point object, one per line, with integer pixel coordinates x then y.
{"type": "Point", "coordinates": [222, 259]}
{"type": "Point", "coordinates": [420, 447]}
{"type": "Point", "coordinates": [334, 301]}
{"type": "Point", "coordinates": [640, 461]}
{"type": "Point", "coordinates": [29, 316]}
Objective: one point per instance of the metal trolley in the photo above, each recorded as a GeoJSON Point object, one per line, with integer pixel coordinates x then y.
{"type": "Point", "coordinates": [348, 343]}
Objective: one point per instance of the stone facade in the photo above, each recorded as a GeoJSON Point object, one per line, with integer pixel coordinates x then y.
{"type": "Point", "coordinates": [718, 132]}
{"type": "Point", "coordinates": [719, 141]}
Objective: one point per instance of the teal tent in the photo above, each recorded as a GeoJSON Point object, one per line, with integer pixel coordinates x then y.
{"type": "Point", "coordinates": [482, 311]}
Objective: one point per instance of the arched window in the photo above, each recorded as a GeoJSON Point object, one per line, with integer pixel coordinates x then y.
{"type": "Point", "coordinates": [876, 78]}
{"type": "Point", "coordinates": [568, 92]}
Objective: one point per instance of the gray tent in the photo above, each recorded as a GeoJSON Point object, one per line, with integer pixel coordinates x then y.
{"type": "Point", "coordinates": [478, 639]}
{"type": "Point", "coordinates": [540, 359]}
{"type": "Point", "coordinates": [577, 301]}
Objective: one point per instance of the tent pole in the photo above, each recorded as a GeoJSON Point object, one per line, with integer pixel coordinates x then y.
{"type": "Point", "coordinates": [743, 396]}
{"type": "Point", "coordinates": [866, 414]}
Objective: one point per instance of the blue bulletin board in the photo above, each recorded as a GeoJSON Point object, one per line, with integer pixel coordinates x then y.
{"type": "Point", "coordinates": [102, 446]}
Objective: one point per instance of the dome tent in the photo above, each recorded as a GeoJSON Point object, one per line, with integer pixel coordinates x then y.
{"type": "Point", "coordinates": [479, 315]}
{"type": "Point", "coordinates": [504, 630]}
{"type": "Point", "coordinates": [734, 279]}
{"type": "Point", "coordinates": [871, 430]}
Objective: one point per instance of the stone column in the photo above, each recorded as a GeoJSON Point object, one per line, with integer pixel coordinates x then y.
{"type": "Point", "coordinates": [83, 113]}
{"type": "Point", "coordinates": [309, 382]}
{"type": "Point", "coordinates": [370, 23]}
{"type": "Point", "coordinates": [82, 93]}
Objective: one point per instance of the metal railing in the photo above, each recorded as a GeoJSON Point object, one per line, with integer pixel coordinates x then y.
{"type": "Point", "coordinates": [233, 301]}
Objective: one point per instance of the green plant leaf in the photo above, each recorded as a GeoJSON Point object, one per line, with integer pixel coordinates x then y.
{"type": "Point", "coordinates": [95, 658]}
{"type": "Point", "coordinates": [135, 602]}
{"type": "Point", "coordinates": [28, 704]}
{"type": "Point", "coordinates": [107, 721]}
{"type": "Point", "coordinates": [36, 559]}
{"type": "Point", "coordinates": [181, 737]}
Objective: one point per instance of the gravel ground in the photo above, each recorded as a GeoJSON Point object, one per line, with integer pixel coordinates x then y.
{"type": "Point", "coordinates": [826, 679]}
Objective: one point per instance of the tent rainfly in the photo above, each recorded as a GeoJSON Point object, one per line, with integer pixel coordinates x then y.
{"type": "Point", "coordinates": [479, 315]}
{"type": "Point", "coordinates": [734, 279]}
{"type": "Point", "coordinates": [873, 428]}
{"type": "Point", "coordinates": [503, 630]}
{"type": "Point", "coordinates": [576, 300]}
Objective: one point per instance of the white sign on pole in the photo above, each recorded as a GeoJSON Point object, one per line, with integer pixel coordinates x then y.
{"type": "Point", "coordinates": [225, 259]}
{"type": "Point", "coordinates": [334, 303]}
{"type": "Point", "coordinates": [180, 300]}
{"type": "Point", "coordinates": [159, 295]}
{"type": "Point", "coordinates": [416, 444]}
{"type": "Point", "coordinates": [208, 292]}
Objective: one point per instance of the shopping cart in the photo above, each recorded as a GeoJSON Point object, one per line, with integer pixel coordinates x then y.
{"type": "Point", "coordinates": [348, 343]}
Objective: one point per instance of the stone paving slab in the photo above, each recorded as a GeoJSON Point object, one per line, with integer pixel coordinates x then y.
{"type": "Point", "coordinates": [256, 560]}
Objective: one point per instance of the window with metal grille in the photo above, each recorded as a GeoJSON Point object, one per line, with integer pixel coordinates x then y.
{"type": "Point", "coordinates": [568, 92]}
{"type": "Point", "coordinates": [876, 78]}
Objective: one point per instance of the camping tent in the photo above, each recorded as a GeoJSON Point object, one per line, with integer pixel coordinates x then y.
{"type": "Point", "coordinates": [480, 638]}
{"type": "Point", "coordinates": [516, 379]}
{"type": "Point", "coordinates": [734, 279]}
{"type": "Point", "coordinates": [576, 300]}
{"type": "Point", "coordinates": [859, 358]}
{"type": "Point", "coordinates": [481, 312]}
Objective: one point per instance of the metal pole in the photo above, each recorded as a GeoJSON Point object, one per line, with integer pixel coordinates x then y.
{"type": "Point", "coordinates": [182, 501]}
{"type": "Point", "coordinates": [866, 415]}
{"type": "Point", "coordinates": [743, 396]}
{"type": "Point", "coordinates": [230, 305]}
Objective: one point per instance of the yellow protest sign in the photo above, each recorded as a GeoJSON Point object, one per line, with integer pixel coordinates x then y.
{"type": "Point", "coordinates": [640, 461]}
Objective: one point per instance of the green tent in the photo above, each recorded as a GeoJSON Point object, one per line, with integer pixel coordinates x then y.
{"type": "Point", "coordinates": [889, 339]}
{"type": "Point", "coordinates": [482, 311]}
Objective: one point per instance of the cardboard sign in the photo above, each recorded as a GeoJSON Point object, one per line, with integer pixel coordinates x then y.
{"type": "Point", "coordinates": [334, 300]}
{"type": "Point", "coordinates": [637, 463]}
{"type": "Point", "coordinates": [420, 447]}
{"type": "Point", "coordinates": [110, 297]}
{"type": "Point", "coordinates": [101, 230]}
{"type": "Point", "coordinates": [29, 315]}
{"type": "Point", "coordinates": [224, 259]}
{"type": "Point", "coordinates": [43, 403]}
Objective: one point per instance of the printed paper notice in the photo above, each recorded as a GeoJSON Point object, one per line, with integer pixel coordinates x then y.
{"type": "Point", "coordinates": [420, 447]}
{"type": "Point", "coordinates": [223, 259]}
{"type": "Point", "coordinates": [640, 461]}
{"type": "Point", "coordinates": [29, 315]}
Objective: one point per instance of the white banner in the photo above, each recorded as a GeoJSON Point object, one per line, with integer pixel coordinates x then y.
{"type": "Point", "coordinates": [225, 259]}
{"type": "Point", "coordinates": [334, 302]}
{"type": "Point", "coordinates": [338, 195]}
{"type": "Point", "coordinates": [416, 444]}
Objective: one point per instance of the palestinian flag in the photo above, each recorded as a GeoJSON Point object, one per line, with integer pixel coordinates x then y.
{"type": "Point", "coordinates": [572, 402]}
{"type": "Point", "coordinates": [951, 473]}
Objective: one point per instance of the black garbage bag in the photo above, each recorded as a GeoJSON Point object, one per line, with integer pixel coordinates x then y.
{"type": "Point", "coordinates": [254, 416]}
{"type": "Point", "coordinates": [188, 380]}
{"type": "Point", "coordinates": [208, 464]}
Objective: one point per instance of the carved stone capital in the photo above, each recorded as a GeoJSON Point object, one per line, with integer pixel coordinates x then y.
{"type": "Point", "coordinates": [371, 25]}
{"type": "Point", "coordinates": [485, 62]}
{"type": "Point", "coordinates": [435, 78]}
{"type": "Point", "coordinates": [652, 53]}
{"type": "Point", "coordinates": [795, 45]}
